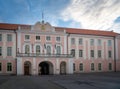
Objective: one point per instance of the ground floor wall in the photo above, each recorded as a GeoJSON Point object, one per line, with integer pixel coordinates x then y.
{"type": "Point", "coordinates": [56, 65]}
{"type": "Point", "coordinates": [8, 66]}
{"type": "Point", "coordinates": [97, 65]}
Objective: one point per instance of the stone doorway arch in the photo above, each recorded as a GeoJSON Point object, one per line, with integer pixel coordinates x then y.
{"type": "Point", "coordinates": [63, 68]}
{"type": "Point", "coordinates": [27, 68]}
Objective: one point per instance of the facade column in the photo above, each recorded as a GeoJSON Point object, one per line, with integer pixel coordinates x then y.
{"type": "Point", "coordinates": [19, 66]}
{"type": "Point", "coordinates": [70, 66]}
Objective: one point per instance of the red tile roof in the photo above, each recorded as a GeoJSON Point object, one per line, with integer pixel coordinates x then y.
{"type": "Point", "coordinates": [87, 31]}
{"type": "Point", "coordinates": [7, 26]}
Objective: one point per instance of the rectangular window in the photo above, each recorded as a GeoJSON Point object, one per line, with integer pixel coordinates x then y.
{"type": "Point", "coordinates": [92, 66]}
{"type": "Point", "coordinates": [99, 53]}
{"type": "Point", "coordinates": [73, 52]}
{"type": "Point", "coordinates": [99, 42]}
{"type": "Point", "coordinates": [80, 53]}
{"type": "Point", "coordinates": [0, 37]}
{"type": "Point", "coordinates": [37, 37]}
{"type": "Point", "coordinates": [92, 53]}
{"type": "Point", "coordinates": [9, 51]}
{"type": "Point", "coordinates": [73, 66]}
{"type": "Point", "coordinates": [27, 37]}
{"type": "Point", "coordinates": [91, 42]}
{"type": "Point", "coordinates": [9, 37]}
{"type": "Point", "coordinates": [80, 41]}
{"type": "Point", "coordinates": [99, 66]}
{"type": "Point", "coordinates": [110, 66]}
{"type": "Point", "coordinates": [72, 40]}
{"type": "Point", "coordinates": [0, 51]}
{"type": "Point", "coordinates": [48, 38]}
{"type": "Point", "coordinates": [57, 38]}
{"type": "Point", "coordinates": [109, 43]}
{"type": "Point", "coordinates": [9, 66]}
{"type": "Point", "coordinates": [109, 53]}
{"type": "Point", "coordinates": [81, 66]}
{"type": "Point", "coordinates": [0, 66]}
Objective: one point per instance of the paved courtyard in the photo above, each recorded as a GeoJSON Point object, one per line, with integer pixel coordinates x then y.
{"type": "Point", "coordinates": [76, 81]}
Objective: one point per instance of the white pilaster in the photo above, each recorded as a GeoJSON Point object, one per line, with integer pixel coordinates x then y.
{"type": "Point", "coordinates": [70, 66]}
{"type": "Point", "coordinates": [19, 66]}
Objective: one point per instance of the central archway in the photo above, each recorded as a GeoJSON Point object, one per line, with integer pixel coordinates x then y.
{"type": "Point", "coordinates": [45, 68]}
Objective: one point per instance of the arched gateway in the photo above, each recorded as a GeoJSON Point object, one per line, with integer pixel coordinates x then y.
{"type": "Point", "coordinates": [45, 68]}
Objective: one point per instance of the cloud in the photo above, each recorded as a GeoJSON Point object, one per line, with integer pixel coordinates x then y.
{"type": "Point", "coordinates": [93, 14]}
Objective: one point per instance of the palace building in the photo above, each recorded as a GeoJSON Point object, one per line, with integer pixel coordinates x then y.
{"type": "Point", "coordinates": [42, 49]}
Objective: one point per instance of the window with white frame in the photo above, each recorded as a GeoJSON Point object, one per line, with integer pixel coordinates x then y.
{"type": "Point", "coordinates": [57, 38]}
{"type": "Point", "coordinates": [80, 41]}
{"type": "Point", "coordinates": [0, 37]}
{"type": "Point", "coordinates": [48, 50]}
{"type": "Point", "coordinates": [27, 37]}
{"type": "Point", "coordinates": [73, 52]}
{"type": "Point", "coordinates": [9, 51]}
{"type": "Point", "coordinates": [92, 42]}
{"type": "Point", "coordinates": [73, 66]}
{"type": "Point", "coordinates": [92, 53]}
{"type": "Point", "coordinates": [9, 66]}
{"type": "Point", "coordinates": [48, 38]}
{"type": "Point", "coordinates": [37, 37]}
{"type": "Point", "coordinates": [99, 66]}
{"type": "Point", "coordinates": [80, 53]}
{"type": "Point", "coordinates": [0, 66]}
{"type": "Point", "coordinates": [99, 42]}
{"type": "Point", "coordinates": [9, 37]}
{"type": "Point", "coordinates": [38, 49]}
{"type": "Point", "coordinates": [27, 49]}
{"type": "Point", "coordinates": [81, 66]}
{"type": "Point", "coordinates": [72, 41]}
{"type": "Point", "coordinates": [109, 43]}
{"type": "Point", "coordinates": [110, 66]}
{"type": "Point", "coordinates": [92, 66]}
{"type": "Point", "coordinates": [58, 50]}
{"type": "Point", "coordinates": [109, 53]}
{"type": "Point", "coordinates": [99, 53]}
{"type": "Point", "coordinates": [0, 51]}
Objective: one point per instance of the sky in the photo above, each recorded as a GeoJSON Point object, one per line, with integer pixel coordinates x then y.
{"type": "Point", "coordinates": [85, 14]}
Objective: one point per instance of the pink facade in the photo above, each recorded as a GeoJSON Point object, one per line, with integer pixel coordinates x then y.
{"type": "Point", "coordinates": [42, 49]}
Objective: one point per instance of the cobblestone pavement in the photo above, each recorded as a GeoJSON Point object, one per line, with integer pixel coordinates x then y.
{"type": "Point", "coordinates": [75, 81]}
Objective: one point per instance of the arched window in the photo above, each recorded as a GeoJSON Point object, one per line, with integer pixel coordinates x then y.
{"type": "Point", "coordinates": [48, 50]}
{"type": "Point", "coordinates": [27, 49]}
{"type": "Point", "coordinates": [58, 50]}
{"type": "Point", "coordinates": [38, 50]}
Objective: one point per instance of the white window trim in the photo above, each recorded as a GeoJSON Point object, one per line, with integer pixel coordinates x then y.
{"type": "Point", "coordinates": [29, 46]}
{"type": "Point", "coordinates": [41, 48]}
{"type": "Point", "coordinates": [29, 37]}
{"type": "Point", "coordinates": [37, 40]}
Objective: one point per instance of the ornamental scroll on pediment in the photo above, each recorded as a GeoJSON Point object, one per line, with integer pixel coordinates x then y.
{"type": "Point", "coordinates": [44, 27]}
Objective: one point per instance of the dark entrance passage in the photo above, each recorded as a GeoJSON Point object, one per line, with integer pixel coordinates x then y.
{"type": "Point", "coordinates": [45, 68]}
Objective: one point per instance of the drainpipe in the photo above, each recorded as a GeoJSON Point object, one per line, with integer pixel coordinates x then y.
{"type": "Point", "coordinates": [114, 54]}
{"type": "Point", "coordinates": [16, 49]}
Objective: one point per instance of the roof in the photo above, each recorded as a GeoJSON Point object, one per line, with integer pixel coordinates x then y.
{"type": "Point", "coordinates": [87, 31]}
{"type": "Point", "coordinates": [7, 26]}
